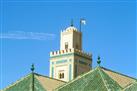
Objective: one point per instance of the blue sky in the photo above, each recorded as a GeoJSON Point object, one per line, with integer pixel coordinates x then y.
{"type": "Point", "coordinates": [31, 29]}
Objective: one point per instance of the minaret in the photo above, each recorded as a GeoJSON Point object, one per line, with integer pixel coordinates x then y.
{"type": "Point", "coordinates": [71, 38]}
{"type": "Point", "coordinates": [70, 61]}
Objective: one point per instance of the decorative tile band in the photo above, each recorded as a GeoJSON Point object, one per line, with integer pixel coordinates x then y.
{"type": "Point", "coordinates": [76, 70]}
{"type": "Point", "coordinates": [81, 62]}
{"type": "Point", "coordinates": [70, 72]}
{"type": "Point", "coordinates": [52, 72]}
{"type": "Point", "coordinates": [61, 61]}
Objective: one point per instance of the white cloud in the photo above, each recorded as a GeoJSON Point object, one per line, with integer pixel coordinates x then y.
{"type": "Point", "coordinates": [27, 35]}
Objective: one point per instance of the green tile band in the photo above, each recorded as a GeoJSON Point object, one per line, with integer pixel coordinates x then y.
{"type": "Point", "coordinates": [81, 62]}
{"type": "Point", "coordinates": [61, 61]}
{"type": "Point", "coordinates": [52, 72]}
{"type": "Point", "coordinates": [75, 70]}
{"type": "Point", "coordinates": [70, 72]}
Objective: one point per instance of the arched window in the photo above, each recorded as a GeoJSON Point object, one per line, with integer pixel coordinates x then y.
{"type": "Point", "coordinates": [61, 75]}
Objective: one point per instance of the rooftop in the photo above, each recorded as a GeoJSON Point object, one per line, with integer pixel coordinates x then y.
{"type": "Point", "coordinates": [98, 79]}
{"type": "Point", "coordinates": [41, 83]}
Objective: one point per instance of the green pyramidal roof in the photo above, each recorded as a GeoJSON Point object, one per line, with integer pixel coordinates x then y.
{"type": "Point", "coordinates": [41, 83]}
{"type": "Point", "coordinates": [98, 79]}
{"type": "Point", "coordinates": [94, 80]}
{"type": "Point", "coordinates": [131, 87]}
{"type": "Point", "coordinates": [25, 84]}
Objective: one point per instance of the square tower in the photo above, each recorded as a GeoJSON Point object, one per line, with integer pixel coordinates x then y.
{"type": "Point", "coordinates": [71, 38]}
{"type": "Point", "coordinates": [70, 61]}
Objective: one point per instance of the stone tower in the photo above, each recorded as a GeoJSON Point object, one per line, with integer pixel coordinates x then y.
{"type": "Point", "coordinates": [70, 61]}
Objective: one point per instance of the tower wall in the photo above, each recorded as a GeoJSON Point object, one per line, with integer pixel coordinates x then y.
{"type": "Point", "coordinates": [72, 37]}
{"type": "Point", "coordinates": [70, 61]}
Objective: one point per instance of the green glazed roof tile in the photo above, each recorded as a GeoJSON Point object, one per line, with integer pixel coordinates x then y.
{"type": "Point", "coordinates": [98, 79]}
{"type": "Point", "coordinates": [95, 80]}
{"type": "Point", "coordinates": [25, 84]}
{"type": "Point", "coordinates": [132, 87]}
{"type": "Point", "coordinates": [122, 79]}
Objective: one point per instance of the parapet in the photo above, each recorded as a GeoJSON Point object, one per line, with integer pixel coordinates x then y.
{"type": "Point", "coordinates": [72, 50]}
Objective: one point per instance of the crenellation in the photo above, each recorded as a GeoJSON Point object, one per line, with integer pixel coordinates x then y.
{"type": "Point", "coordinates": [67, 51]}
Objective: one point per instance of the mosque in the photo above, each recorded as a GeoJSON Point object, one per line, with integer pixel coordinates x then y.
{"type": "Point", "coordinates": [71, 70]}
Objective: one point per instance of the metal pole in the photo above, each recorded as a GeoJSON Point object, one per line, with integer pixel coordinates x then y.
{"type": "Point", "coordinates": [80, 26]}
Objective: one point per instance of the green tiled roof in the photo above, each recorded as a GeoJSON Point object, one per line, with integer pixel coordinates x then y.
{"type": "Point", "coordinates": [25, 84]}
{"type": "Point", "coordinates": [122, 79]}
{"type": "Point", "coordinates": [41, 83]}
{"type": "Point", "coordinates": [98, 79]}
{"type": "Point", "coordinates": [132, 87]}
{"type": "Point", "coordinates": [94, 80]}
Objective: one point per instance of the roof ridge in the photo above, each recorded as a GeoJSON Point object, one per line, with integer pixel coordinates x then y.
{"type": "Point", "coordinates": [17, 81]}
{"type": "Point", "coordinates": [102, 78]}
{"type": "Point", "coordinates": [107, 82]}
{"type": "Point", "coordinates": [39, 82]}
{"type": "Point", "coordinates": [119, 73]}
{"type": "Point", "coordinates": [130, 85]}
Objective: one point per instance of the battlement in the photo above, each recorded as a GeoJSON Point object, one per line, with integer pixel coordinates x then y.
{"type": "Point", "coordinates": [67, 51]}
